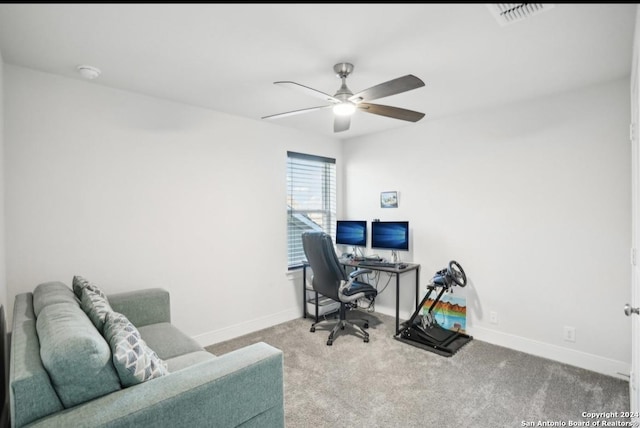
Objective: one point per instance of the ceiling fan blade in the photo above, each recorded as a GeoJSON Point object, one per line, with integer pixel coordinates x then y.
{"type": "Point", "coordinates": [393, 112]}
{"type": "Point", "coordinates": [392, 87]}
{"type": "Point", "coordinates": [294, 112]}
{"type": "Point", "coordinates": [307, 90]}
{"type": "Point", "coordinates": [341, 123]}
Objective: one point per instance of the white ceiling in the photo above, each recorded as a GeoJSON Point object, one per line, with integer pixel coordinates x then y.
{"type": "Point", "coordinates": [226, 56]}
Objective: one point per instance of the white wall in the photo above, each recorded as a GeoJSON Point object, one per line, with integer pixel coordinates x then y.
{"type": "Point", "coordinates": [533, 199]}
{"type": "Point", "coordinates": [132, 192]}
{"type": "Point", "coordinates": [3, 277]}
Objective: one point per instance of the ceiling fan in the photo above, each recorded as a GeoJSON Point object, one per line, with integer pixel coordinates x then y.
{"type": "Point", "coordinates": [345, 102]}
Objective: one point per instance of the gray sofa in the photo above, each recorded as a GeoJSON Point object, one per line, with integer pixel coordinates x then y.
{"type": "Point", "coordinates": [70, 382]}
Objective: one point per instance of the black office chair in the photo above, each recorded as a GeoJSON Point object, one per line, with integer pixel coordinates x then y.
{"type": "Point", "coordinates": [331, 280]}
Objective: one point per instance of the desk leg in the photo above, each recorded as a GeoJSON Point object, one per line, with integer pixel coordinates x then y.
{"type": "Point", "coordinates": [397, 304]}
{"type": "Point", "coordinates": [417, 286]}
{"type": "Point", "coordinates": [304, 292]}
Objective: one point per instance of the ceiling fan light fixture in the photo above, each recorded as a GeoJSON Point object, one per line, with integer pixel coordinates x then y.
{"type": "Point", "coordinates": [346, 108]}
{"type": "Point", "coordinates": [344, 103]}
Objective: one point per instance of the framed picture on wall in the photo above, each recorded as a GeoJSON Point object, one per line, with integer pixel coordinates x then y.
{"type": "Point", "coordinates": [389, 199]}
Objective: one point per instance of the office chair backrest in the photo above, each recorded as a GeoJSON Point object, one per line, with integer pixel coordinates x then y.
{"type": "Point", "coordinates": [322, 257]}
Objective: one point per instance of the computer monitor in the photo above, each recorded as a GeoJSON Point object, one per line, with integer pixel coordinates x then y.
{"type": "Point", "coordinates": [351, 232]}
{"type": "Point", "coordinates": [390, 235]}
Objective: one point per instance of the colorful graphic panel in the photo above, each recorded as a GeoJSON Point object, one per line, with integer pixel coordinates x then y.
{"type": "Point", "coordinates": [450, 312]}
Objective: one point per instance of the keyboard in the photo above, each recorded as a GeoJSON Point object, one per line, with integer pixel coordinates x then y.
{"type": "Point", "coordinates": [374, 263]}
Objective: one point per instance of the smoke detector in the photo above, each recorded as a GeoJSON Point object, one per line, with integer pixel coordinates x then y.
{"type": "Point", "coordinates": [508, 13]}
{"type": "Point", "coordinates": [88, 72]}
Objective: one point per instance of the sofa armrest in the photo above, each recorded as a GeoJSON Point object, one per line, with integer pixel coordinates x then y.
{"type": "Point", "coordinates": [143, 307]}
{"type": "Point", "coordinates": [239, 387]}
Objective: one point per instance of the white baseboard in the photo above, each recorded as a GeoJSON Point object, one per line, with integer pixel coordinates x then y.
{"type": "Point", "coordinates": [249, 326]}
{"type": "Point", "coordinates": [595, 363]}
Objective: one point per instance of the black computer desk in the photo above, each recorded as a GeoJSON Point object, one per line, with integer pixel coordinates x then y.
{"type": "Point", "coordinates": [391, 270]}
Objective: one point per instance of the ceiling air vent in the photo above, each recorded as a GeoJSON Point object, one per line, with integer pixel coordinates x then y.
{"type": "Point", "coordinates": [507, 13]}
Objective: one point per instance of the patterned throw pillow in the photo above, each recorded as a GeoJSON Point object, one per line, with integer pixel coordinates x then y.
{"type": "Point", "coordinates": [95, 306]}
{"type": "Point", "coordinates": [135, 362]}
{"type": "Point", "coordinates": [80, 283]}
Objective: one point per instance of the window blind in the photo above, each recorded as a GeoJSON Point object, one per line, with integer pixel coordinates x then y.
{"type": "Point", "coordinates": [311, 200]}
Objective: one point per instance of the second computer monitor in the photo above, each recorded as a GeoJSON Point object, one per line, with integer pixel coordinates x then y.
{"type": "Point", "coordinates": [390, 235]}
{"type": "Point", "coordinates": [351, 232]}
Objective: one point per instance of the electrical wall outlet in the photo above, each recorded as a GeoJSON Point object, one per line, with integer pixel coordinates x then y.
{"type": "Point", "coordinates": [493, 317]}
{"type": "Point", "coordinates": [569, 334]}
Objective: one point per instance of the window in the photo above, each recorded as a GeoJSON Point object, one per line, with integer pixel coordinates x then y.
{"type": "Point", "coordinates": [311, 200]}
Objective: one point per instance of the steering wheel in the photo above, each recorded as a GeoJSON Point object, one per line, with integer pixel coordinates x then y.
{"type": "Point", "coordinates": [456, 273]}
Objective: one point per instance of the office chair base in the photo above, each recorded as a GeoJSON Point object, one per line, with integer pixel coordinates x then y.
{"type": "Point", "coordinates": [341, 325]}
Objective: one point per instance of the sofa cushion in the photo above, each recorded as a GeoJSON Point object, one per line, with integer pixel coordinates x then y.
{"type": "Point", "coordinates": [135, 362]}
{"type": "Point", "coordinates": [75, 355]}
{"type": "Point", "coordinates": [49, 293]}
{"type": "Point", "coordinates": [32, 394]}
{"type": "Point", "coordinates": [96, 306]}
{"type": "Point", "coordinates": [168, 341]}
{"type": "Point", "coordinates": [80, 283]}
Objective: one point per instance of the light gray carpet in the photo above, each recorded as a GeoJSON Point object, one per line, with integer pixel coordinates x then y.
{"type": "Point", "coordinates": [387, 383]}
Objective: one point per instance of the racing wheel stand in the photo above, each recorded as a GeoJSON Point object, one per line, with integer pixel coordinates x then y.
{"type": "Point", "coordinates": [422, 330]}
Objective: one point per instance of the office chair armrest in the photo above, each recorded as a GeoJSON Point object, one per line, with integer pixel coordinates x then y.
{"type": "Point", "coordinates": [352, 277]}
{"type": "Point", "coordinates": [359, 272]}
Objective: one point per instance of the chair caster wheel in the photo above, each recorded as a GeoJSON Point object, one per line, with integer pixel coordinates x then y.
{"type": "Point", "coordinates": [312, 329]}
{"type": "Point", "coordinates": [366, 325]}
{"type": "Point", "coordinates": [341, 327]}
{"type": "Point", "coordinates": [329, 342]}
{"type": "Point", "coordinates": [366, 340]}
